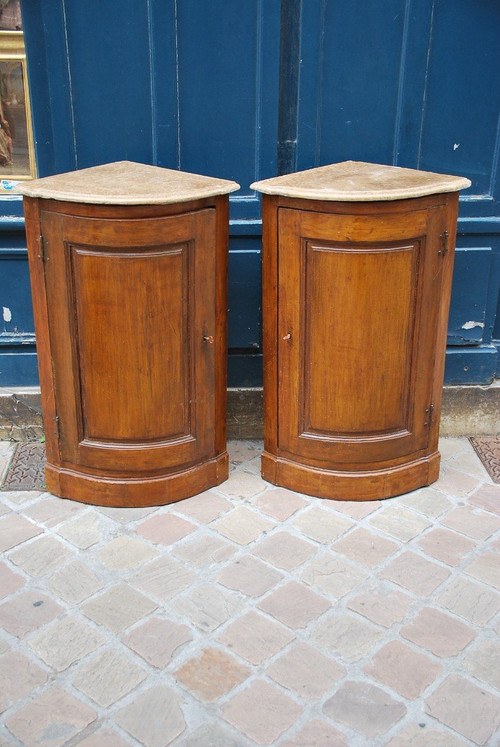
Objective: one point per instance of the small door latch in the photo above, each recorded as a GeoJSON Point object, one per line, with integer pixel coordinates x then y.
{"type": "Point", "coordinates": [42, 254]}
{"type": "Point", "coordinates": [444, 243]}
{"type": "Point", "coordinates": [209, 339]}
{"type": "Point", "coordinates": [287, 337]}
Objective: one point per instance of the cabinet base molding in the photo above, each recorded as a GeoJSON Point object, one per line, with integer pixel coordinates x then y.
{"type": "Point", "coordinates": [351, 486]}
{"type": "Point", "coordinates": [137, 492]}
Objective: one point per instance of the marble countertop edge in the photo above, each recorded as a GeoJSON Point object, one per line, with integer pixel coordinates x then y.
{"type": "Point", "coordinates": [364, 196]}
{"type": "Point", "coordinates": [97, 199]}
{"type": "Point", "coordinates": [127, 183]}
{"type": "Point", "coordinates": [358, 181]}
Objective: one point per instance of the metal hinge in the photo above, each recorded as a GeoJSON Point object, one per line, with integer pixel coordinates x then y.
{"type": "Point", "coordinates": [444, 244]}
{"type": "Point", "coordinates": [430, 415]}
{"type": "Point", "coordinates": [57, 427]}
{"type": "Point", "coordinates": [43, 249]}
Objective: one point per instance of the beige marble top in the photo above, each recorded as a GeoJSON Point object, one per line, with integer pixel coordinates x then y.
{"type": "Point", "coordinates": [127, 183]}
{"type": "Point", "coordinates": [356, 181]}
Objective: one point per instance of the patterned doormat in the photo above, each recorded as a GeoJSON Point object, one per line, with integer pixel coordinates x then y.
{"type": "Point", "coordinates": [27, 468]}
{"type": "Point", "coordinates": [488, 450]}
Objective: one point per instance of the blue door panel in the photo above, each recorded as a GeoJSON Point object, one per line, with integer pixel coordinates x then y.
{"type": "Point", "coordinates": [460, 127]}
{"type": "Point", "coordinates": [164, 77]}
{"type": "Point", "coordinates": [359, 80]}
{"type": "Point", "coordinates": [244, 302]}
{"type": "Point", "coordinates": [109, 65]}
{"type": "Point", "coordinates": [228, 65]}
{"type": "Point", "coordinates": [217, 86]}
{"type": "Point", "coordinates": [495, 301]}
{"type": "Point", "coordinates": [50, 86]}
{"type": "Point", "coordinates": [220, 88]}
{"type": "Point", "coordinates": [16, 315]}
{"type": "Point", "coordinates": [244, 370]}
{"type": "Point", "coordinates": [469, 297]}
{"type": "Point", "coordinates": [18, 365]}
{"type": "Point", "coordinates": [362, 82]}
{"type": "Point", "coordinates": [18, 362]}
{"type": "Point", "coordinates": [493, 307]}
{"type": "Point", "coordinates": [41, 99]}
{"type": "Point", "coordinates": [470, 365]}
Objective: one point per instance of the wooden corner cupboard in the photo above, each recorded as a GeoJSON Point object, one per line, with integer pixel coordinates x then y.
{"type": "Point", "coordinates": [357, 270]}
{"type": "Point", "coordinates": [128, 268]}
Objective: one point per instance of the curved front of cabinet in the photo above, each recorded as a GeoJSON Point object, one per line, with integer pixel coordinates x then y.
{"type": "Point", "coordinates": [137, 359]}
{"type": "Point", "coordinates": [362, 293]}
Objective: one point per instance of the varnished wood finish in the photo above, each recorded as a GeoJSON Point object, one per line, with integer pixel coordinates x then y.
{"type": "Point", "coordinates": [345, 485]}
{"type": "Point", "coordinates": [40, 312]}
{"type": "Point", "coordinates": [130, 312]}
{"type": "Point", "coordinates": [270, 320]}
{"type": "Point", "coordinates": [354, 342]}
{"type": "Point", "coordinates": [128, 492]}
{"type": "Point", "coordinates": [220, 344]}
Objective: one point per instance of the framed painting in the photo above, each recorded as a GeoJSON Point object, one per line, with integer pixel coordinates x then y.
{"type": "Point", "coordinates": [17, 154]}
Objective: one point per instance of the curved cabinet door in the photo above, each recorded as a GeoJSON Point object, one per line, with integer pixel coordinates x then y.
{"type": "Point", "coordinates": [358, 309]}
{"type": "Point", "coordinates": [136, 298]}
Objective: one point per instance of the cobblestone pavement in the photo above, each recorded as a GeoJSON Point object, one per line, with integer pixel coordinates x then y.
{"type": "Point", "coordinates": [254, 615]}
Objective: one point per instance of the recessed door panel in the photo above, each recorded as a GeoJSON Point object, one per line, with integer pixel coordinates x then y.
{"type": "Point", "coordinates": [132, 336]}
{"type": "Point", "coordinates": [357, 361]}
{"type": "Point", "coordinates": [137, 299]}
{"type": "Point", "coordinates": [351, 294]}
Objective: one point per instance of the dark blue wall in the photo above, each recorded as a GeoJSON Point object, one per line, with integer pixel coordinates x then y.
{"type": "Point", "coordinates": [197, 86]}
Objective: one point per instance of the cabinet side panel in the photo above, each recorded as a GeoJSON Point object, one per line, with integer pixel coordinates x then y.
{"type": "Point", "coordinates": [270, 320]}
{"type": "Point", "coordinates": [447, 221]}
{"type": "Point", "coordinates": [133, 342]}
{"type": "Point", "coordinates": [220, 322]}
{"type": "Point", "coordinates": [358, 304]}
{"type": "Point", "coordinates": [41, 318]}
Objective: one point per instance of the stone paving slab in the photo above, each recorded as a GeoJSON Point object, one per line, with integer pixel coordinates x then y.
{"type": "Point", "coordinates": [254, 615]}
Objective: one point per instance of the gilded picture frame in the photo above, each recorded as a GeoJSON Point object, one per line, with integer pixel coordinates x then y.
{"type": "Point", "coordinates": [17, 150]}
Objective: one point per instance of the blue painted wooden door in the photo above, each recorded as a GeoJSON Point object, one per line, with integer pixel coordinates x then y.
{"type": "Point", "coordinates": [241, 89]}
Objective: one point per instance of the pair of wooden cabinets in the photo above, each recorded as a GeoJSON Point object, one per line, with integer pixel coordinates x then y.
{"type": "Point", "coordinates": [129, 279]}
